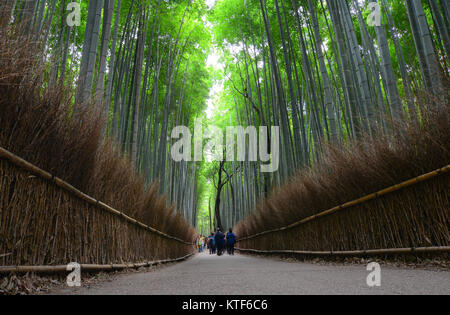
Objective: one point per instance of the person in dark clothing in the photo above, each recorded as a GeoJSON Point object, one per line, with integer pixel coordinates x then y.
{"type": "Point", "coordinates": [231, 240]}
{"type": "Point", "coordinates": [220, 242]}
{"type": "Point", "coordinates": [212, 244]}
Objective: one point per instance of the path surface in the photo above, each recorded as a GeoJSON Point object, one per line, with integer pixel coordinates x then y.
{"type": "Point", "coordinates": [246, 275]}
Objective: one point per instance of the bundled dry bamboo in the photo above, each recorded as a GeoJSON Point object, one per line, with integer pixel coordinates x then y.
{"type": "Point", "coordinates": [392, 251]}
{"type": "Point", "coordinates": [45, 221]}
{"type": "Point", "coordinates": [412, 212]}
{"type": "Point", "coordinates": [359, 201]}
{"type": "Point", "coordinates": [402, 216]}
{"type": "Point", "coordinates": [87, 267]}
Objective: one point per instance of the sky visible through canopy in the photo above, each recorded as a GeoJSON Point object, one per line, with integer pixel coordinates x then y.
{"type": "Point", "coordinates": [213, 61]}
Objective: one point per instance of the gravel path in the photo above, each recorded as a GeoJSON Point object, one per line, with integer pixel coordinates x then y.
{"type": "Point", "coordinates": [246, 275]}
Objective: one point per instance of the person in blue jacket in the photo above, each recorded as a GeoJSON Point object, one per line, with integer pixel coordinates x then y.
{"type": "Point", "coordinates": [212, 244]}
{"type": "Point", "coordinates": [220, 242]}
{"type": "Point", "coordinates": [231, 240]}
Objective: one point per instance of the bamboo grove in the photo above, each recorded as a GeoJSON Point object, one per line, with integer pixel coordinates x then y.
{"type": "Point", "coordinates": [328, 77]}
{"type": "Point", "coordinates": [329, 73]}
{"type": "Point", "coordinates": [60, 190]}
{"type": "Point", "coordinates": [158, 48]}
{"type": "Point", "coordinates": [143, 63]}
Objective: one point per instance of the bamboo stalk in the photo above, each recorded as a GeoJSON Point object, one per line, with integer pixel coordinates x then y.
{"type": "Point", "coordinates": [353, 203]}
{"type": "Point", "coordinates": [418, 250]}
{"type": "Point", "coordinates": [88, 267]}
{"type": "Point", "coordinates": [19, 162]}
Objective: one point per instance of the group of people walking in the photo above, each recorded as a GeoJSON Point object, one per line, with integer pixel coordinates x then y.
{"type": "Point", "coordinates": [218, 242]}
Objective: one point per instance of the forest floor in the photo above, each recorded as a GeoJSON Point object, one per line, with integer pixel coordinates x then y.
{"type": "Point", "coordinates": [250, 275]}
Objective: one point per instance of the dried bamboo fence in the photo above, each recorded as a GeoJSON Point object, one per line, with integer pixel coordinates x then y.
{"type": "Point", "coordinates": [87, 267]}
{"type": "Point", "coordinates": [44, 221]}
{"type": "Point", "coordinates": [411, 217]}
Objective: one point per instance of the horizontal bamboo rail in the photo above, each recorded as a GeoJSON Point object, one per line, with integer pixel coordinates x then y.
{"type": "Point", "coordinates": [87, 267]}
{"type": "Point", "coordinates": [353, 203]}
{"type": "Point", "coordinates": [19, 162]}
{"type": "Point", "coordinates": [392, 251]}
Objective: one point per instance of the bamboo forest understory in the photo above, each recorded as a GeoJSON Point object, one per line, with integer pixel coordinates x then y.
{"type": "Point", "coordinates": [91, 92]}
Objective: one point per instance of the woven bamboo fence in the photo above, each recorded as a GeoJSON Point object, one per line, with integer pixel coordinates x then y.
{"type": "Point", "coordinates": [46, 222]}
{"type": "Point", "coordinates": [411, 217]}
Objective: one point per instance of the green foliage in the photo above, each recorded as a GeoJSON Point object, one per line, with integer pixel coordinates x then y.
{"type": "Point", "coordinates": [273, 74]}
